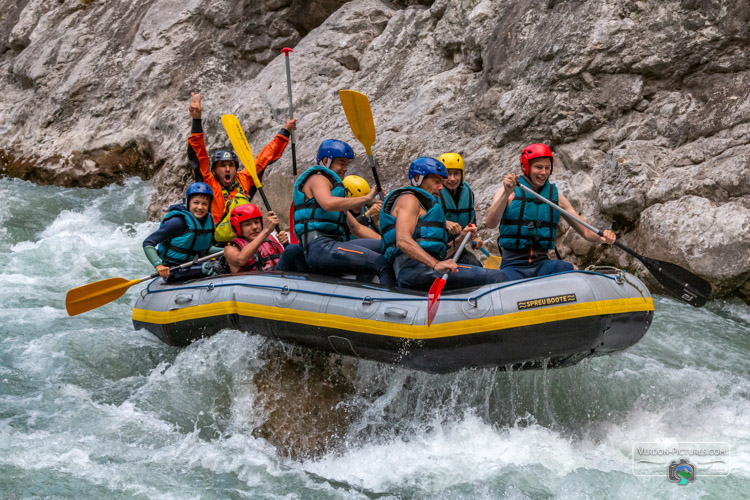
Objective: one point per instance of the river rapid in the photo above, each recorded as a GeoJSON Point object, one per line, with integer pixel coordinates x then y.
{"type": "Point", "coordinates": [91, 408]}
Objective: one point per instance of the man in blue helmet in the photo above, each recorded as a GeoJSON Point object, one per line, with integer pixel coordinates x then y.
{"type": "Point", "coordinates": [322, 221]}
{"type": "Point", "coordinates": [415, 239]}
{"type": "Point", "coordinates": [184, 235]}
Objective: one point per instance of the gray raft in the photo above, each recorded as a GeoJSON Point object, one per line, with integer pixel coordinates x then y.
{"type": "Point", "coordinates": [552, 321]}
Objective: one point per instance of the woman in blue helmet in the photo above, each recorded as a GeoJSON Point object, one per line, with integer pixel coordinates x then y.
{"type": "Point", "coordinates": [322, 221]}
{"type": "Point", "coordinates": [183, 235]}
{"type": "Point", "coordinates": [415, 238]}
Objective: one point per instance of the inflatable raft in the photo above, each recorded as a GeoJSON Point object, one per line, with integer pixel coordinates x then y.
{"type": "Point", "coordinates": [552, 321]}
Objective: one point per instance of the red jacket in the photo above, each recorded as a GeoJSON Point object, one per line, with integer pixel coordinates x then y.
{"type": "Point", "coordinates": [243, 180]}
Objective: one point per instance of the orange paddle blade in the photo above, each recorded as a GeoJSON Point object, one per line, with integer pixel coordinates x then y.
{"type": "Point", "coordinates": [433, 298]}
{"type": "Point", "coordinates": [88, 297]}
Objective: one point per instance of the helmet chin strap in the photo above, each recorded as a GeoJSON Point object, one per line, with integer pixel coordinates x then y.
{"type": "Point", "coordinates": [417, 180]}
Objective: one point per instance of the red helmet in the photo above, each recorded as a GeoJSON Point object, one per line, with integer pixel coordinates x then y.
{"type": "Point", "coordinates": [242, 213]}
{"type": "Point", "coordinates": [535, 151]}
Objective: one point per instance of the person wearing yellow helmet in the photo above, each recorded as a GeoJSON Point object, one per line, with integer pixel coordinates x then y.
{"type": "Point", "coordinates": [458, 202]}
{"type": "Point", "coordinates": [356, 186]}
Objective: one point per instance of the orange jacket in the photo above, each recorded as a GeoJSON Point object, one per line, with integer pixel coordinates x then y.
{"type": "Point", "coordinates": [243, 180]}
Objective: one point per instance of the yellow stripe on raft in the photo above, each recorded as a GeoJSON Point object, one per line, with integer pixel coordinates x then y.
{"type": "Point", "coordinates": [437, 330]}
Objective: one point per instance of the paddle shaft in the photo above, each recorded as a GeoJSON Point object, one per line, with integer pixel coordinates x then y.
{"type": "Point", "coordinates": [186, 264]}
{"type": "Point", "coordinates": [375, 175]}
{"type": "Point", "coordinates": [286, 52]}
{"type": "Point", "coordinates": [460, 250]}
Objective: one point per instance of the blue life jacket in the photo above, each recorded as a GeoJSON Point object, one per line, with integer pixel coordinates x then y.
{"type": "Point", "coordinates": [528, 221]}
{"type": "Point", "coordinates": [430, 232]}
{"type": "Point", "coordinates": [194, 242]}
{"type": "Point", "coordinates": [310, 216]}
{"type": "Point", "coordinates": [463, 212]}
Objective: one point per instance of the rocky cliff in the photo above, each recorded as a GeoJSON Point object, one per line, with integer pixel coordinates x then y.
{"type": "Point", "coordinates": [644, 103]}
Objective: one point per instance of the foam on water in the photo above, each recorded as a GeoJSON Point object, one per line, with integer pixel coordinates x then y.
{"type": "Point", "coordinates": [90, 408]}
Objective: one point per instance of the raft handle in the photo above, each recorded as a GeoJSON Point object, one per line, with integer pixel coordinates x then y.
{"type": "Point", "coordinates": [395, 312]}
{"type": "Point", "coordinates": [367, 301]}
{"type": "Point", "coordinates": [472, 301]}
{"type": "Point", "coordinates": [285, 290]}
{"type": "Point", "coordinates": [183, 299]}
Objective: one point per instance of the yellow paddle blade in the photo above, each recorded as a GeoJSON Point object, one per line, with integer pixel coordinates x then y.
{"type": "Point", "coordinates": [493, 262]}
{"type": "Point", "coordinates": [240, 145]}
{"type": "Point", "coordinates": [358, 113]}
{"type": "Point", "coordinates": [88, 297]}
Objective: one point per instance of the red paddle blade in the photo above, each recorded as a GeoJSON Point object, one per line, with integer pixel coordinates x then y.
{"type": "Point", "coordinates": [292, 237]}
{"type": "Point", "coordinates": [433, 299]}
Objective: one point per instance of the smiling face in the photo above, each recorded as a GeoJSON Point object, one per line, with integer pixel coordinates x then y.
{"type": "Point", "coordinates": [339, 165]}
{"type": "Point", "coordinates": [251, 228]}
{"type": "Point", "coordinates": [539, 171]}
{"type": "Point", "coordinates": [225, 171]}
{"type": "Point", "coordinates": [454, 178]}
{"type": "Point", "coordinates": [199, 205]}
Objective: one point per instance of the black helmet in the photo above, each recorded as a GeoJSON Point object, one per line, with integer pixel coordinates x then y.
{"type": "Point", "coordinates": [224, 155]}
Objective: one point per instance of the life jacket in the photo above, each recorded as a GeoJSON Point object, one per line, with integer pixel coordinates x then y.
{"type": "Point", "coordinates": [224, 231]}
{"type": "Point", "coordinates": [194, 242]}
{"type": "Point", "coordinates": [429, 233]}
{"type": "Point", "coordinates": [265, 258]}
{"type": "Point", "coordinates": [310, 216]}
{"type": "Point", "coordinates": [528, 221]}
{"type": "Point", "coordinates": [463, 212]}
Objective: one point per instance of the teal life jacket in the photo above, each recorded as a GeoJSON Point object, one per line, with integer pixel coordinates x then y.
{"type": "Point", "coordinates": [310, 216]}
{"type": "Point", "coordinates": [430, 232]}
{"type": "Point", "coordinates": [528, 221]}
{"type": "Point", "coordinates": [463, 211]}
{"type": "Point", "coordinates": [195, 242]}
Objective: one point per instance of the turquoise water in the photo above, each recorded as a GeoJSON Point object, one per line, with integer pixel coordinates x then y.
{"type": "Point", "coordinates": [90, 408]}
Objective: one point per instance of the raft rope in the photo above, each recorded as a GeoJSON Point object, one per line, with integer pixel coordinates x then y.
{"type": "Point", "coordinates": [369, 299]}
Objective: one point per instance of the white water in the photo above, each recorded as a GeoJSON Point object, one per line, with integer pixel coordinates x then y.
{"type": "Point", "coordinates": [90, 408]}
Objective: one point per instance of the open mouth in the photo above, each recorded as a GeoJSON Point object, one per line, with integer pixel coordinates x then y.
{"type": "Point", "coordinates": [227, 178]}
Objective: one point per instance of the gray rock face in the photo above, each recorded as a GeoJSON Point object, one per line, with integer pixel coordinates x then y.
{"type": "Point", "coordinates": [645, 104]}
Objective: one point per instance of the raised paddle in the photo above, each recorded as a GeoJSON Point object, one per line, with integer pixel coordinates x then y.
{"type": "Point", "coordinates": [242, 148]}
{"type": "Point", "coordinates": [685, 285]}
{"type": "Point", "coordinates": [88, 297]}
{"type": "Point", "coordinates": [433, 296]}
{"type": "Point", "coordinates": [359, 114]}
{"type": "Point", "coordinates": [286, 51]}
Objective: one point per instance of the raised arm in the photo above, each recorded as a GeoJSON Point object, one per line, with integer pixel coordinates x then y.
{"type": "Point", "coordinates": [500, 201]}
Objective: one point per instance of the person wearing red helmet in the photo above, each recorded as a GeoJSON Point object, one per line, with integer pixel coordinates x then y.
{"type": "Point", "coordinates": [257, 249]}
{"type": "Point", "coordinates": [528, 227]}
{"type": "Point", "coordinates": [223, 172]}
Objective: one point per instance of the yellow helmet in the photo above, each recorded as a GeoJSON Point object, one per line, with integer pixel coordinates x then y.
{"type": "Point", "coordinates": [356, 186]}
{"type": "Point", "coordinates": [452, 160]}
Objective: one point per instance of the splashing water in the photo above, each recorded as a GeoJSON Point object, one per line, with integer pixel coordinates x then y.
{"type": "Point", "coordinates": [91, 408]}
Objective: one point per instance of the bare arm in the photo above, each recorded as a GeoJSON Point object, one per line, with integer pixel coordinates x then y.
{"type": "Point", "coordinates": [320, 188]}
{"type": "Point", "coordinates": [608, 238]}
{"type": "Point", "coordinates": [406, 212]}
{"type": "Point", "coordinates": [237, 258]}
{"type": "Point", "coordinates": [501, 200]}
{"type": "Point", "coordinates": [359, 230]}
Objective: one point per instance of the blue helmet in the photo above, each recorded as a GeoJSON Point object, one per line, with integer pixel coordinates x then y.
{"type": "Point", "coordinates": [334, 148]}
{"type": "Point", "coordinates": [424, 165]}
{"type": "Point", "coordinates": [199, 188]}
{"type": "Point", "coordinates": [224, 155]}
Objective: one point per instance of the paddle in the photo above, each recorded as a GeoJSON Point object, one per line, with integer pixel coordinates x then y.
{"type": "Point", "coordinates": [359, 115]}
{"type": "Point", "coordinates": [242, 148]}
{"type": "Point", "coordinates": [493, 261]}
{"type": "Point", "coordinates": [685, 285]}
{"type": "Point", "coordinates": [88, 297]}
{"type": "Point", "coordinates": [433, 296]}
{"type": "Point", "coordinates": [286, 51]}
